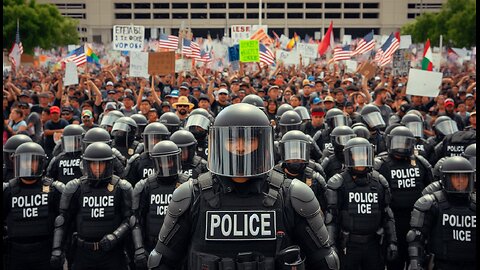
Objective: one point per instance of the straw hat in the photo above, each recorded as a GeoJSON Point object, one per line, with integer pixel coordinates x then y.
{"type": "Point", "coordinates": [183, 100]}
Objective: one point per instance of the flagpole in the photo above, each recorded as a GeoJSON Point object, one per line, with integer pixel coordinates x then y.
{"type": "Point", "coordinates": [260, 13]}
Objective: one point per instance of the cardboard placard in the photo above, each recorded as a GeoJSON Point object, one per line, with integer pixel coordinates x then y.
{"type": "Point", "coordinates": [401, 62]}
{"type": "Point", "coordinates": [424, 83]}
{"type": "Point", "coordinates": [128, 37]}
{"type": "Point", "coordinates": [233, 53]}
{"type": "Point", "coordinates": [405, 42]}
{"type": "Point", "coordinates": [239, 32]}
{"type": "Point", "coordinates": [71, 74]}
{"type": "Point", "coordinates": [139, 64]}
{"type": "Point", "coordinates": [249, 51]}
{"type": "Point", "coordinates": [308, 50]}
{"type": "Point", "coordinates": [367, 69]}
{"type": "Point", "coordinates": [161, 63]}
{"type": "Point", "coordinates": [351, 66]}
{"type": "Point", "coordinates": [183, 65]}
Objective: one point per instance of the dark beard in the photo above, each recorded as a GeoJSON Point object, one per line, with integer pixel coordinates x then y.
{"type": "Point", "coordinates": [182, 112]}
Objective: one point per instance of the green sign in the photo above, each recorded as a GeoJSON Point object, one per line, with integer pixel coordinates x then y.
{"type": "Point", "coordinates": [249, 51]}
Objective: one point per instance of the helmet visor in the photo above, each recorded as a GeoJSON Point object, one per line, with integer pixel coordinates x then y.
{"type": "Point", "coordinates": [98, 169]}
{"type": "Point", "coordinates": [401, 144]}
{"type": "Point", "coordinates": [338, 121]}
{"type": "Point", "coordinates": [458, 182]}
{"type": "Point", "coordinates": [240, 151]}
{"type": "Point", "coordinates": [109, 120]}
{"type": "Point", "coordinates": [416, 128]}
{"type": "Point", "coordinates": [167, 165]}
{"type": "Point", "coordinates": [72, 143]}
{"type": "Point", "coordinates": [343, 139]}
{"type": "Point", "coordinates": [29, 165]}
{"type": "Point", "coordinates": [303, 112]}
{"type": "Point", "coordinates": [295, 150]}
{"type": "Point", "coordinates": [359, 156]}
{"type": "Point", "coordinates": [374, 120]}
{"type": "Point", "coordinates": [121, 127]}
{"type": "Point", "coordinates": [151, 140]}
{"type": "Point", "coordinates": [198, 121]}
{"type": "Point", "coordinates": [447, 127]}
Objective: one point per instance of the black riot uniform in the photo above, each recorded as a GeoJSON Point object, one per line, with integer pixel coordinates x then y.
{"type": "Point", "coordinates": [359, 217]}
{"type": "Point", "coordinates": [140, 166]}
{"type": "Point", "coordinates": [30, 205]}
{"type": "Point", "coordinates": [334, 118]}
{"type": "Point", "coordinates": [442, 126]}
{"type": "Point", "coordinates": [198, 123]}
{"type": "Point", "coordinates": [142, 122]}
{"type": "Point", "coordinates": [454, 144]}
{"type": "Point", "coordinates": [333, 163]}
{"type": "Point", "coordinates": [361, 130]}
{"type": "Point", "coordinates": [192, 164]}
{"type": "Point", "coordinates": [254, 100]}
{"type": "Point", "coordinates": [306, 126]}
{"type": "Point", "coordinates": [372, 117]}
{"type": "Point", "coordinates": [280, 111]}
{"type": "Point", "coordinates": [407, 174]}
{"type": "Point", "coordinates": [99, 206]}
{"type": "Point", "coordinates": [109, 120]}
{"type": "Point", "coordinates": [151, 197]}
{"type": "Point", "coordinates": [443, 224]}
{"type": "Point", "coordinates": [123, 133]}
{"type": "Point", "coordinates": [296, 163]}
{"type": "Point", "coordinates": [8, 153]}
{"type": "Point", "coordinates": [66, 166]}
{"type": "Point", "coordinates": [213, 221]}
{"type": "Point", "coordinates": [415, 124]}
{"type": "Point", "coordinates": [171, 121]}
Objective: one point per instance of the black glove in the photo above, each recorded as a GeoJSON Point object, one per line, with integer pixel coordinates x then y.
{"type": "Point", "coordinates": [57, 259]}
{"type": "Point", "coordinates": [108, 242]}
{"type": "Point", "coordinates": [140, 258]}
{"type": "Point", "coordinates": [392, 252]}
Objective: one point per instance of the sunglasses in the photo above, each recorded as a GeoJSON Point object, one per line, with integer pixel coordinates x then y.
{"type": "Point", "coordinates": [182, 106]}
{"type": "Point", "coordinates": [86, 117]}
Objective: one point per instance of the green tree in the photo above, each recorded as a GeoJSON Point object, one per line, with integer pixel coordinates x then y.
{"type": "Point", "coordinates": [456, 21]}
{"type": "Point", "coordinates": [41, 25]}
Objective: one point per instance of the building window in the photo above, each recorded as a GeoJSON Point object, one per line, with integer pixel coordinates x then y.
{"type": "Point", "coordinates": [333, 5]}
{"type": "Point", "coordinates": [70, 6]}
{"type": "Point", "coordinates": [179, 15]}
{"type": "Point", "coordinates": [295, 5]}
{"type": "Point", "coordinates": [198, 15]}
{"type": "Point", "coordinates": [218, 5]}
{"type": "Point", "coordinates": [370, 15]}
{"type": "Point", "coordinates": [217, 16]}
{"type": "Point", "coordinates": [75, 15]}
{"type": "Point", "coordinates": [236, 16]}
{"type": "Point", "coordinates": [411, 16]}
{"type": "Point", "coordinates": [84, 39]}
{"type": "Point", "coordinates": [276, 15]}
{"type": "Point", "coordinates": [370, 5]}
{"type": "Point", "coordinates": [142, 15]}
{"type": "Point", "coordinates": [236, 5]}
{"type": "Point", "coordinates": [252, 15]}
{"type": "Point", "coordinates": [84, 29]}
{"type": "Point", "coordinates": [313, 15]}
{"type": "Point", "coordinates": [142, 5]}
{"type": "Point", "coordinates": [123, 15]}
{"type": "Point", "coordinates": [412, 5]}
{"type": "Point", "coordinates": [180, 5]}
{"type": "Point", "coordinates": [123, 5]}
{"type": "Point", "coordinates": [295, 15]}
{"type": "Point", "coordinates": [333, 15]}
{"type": "Point", "coordinates": [276, 5]}
{"type": "Point", "coordinates": [161, 5]}
{"type": "Point", "coordinates": [198, 5]}
{"type": "Point", "coordinates": [351, 5]}
{"type": "Point", "coordinates": [161, 15]}
{"type": "Point", "coordinates": [253, 5]}
{"type": "Point", "coordinates": [351, 15]}
{"type": "Point", "coordinates": [313, 5]}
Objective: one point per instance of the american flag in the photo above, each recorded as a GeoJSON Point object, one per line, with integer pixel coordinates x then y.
{"type": "Point", "coordinates": [266, 55]}
{"type": "Point", "coordinates": [262, 37]}
{"type": "Point", "coordinates": [191, 49]}
{"type": "Point", "coordinates": [365, 44]}
{"type": "Point", "coordinates": [384, 54]}
{"type": "Point", "coordinates": [77, 56]}
{"type": "Point", "coordinates": [168, 42]}
{"type": "Point", "coordinates": [342, 53]}
{"type": "Point", "coordinates": [17, 49]}
{"type": "Point", "coordinates": [205, 57]}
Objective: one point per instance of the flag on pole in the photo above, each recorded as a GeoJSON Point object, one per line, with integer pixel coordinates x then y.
{"type": "Point", "coordinates": [266, 55]}
{"type": "Point", "coordinates": [342, 53]}
{"type": "Point", "coordinates": [92, 57]}
{"type": "Point", "coordinates": [427, 57]}
{"type": "Point", "coordinates": [384, 54]}
{"type": "Point", "coordinates": [293, 42]}
{"type": "Point", "coordinates": [168, 42]}
{"type": "Point", "coordinates": [17, 49]}
{"type": "Point", "coordinates": [366, 44]}
{"type": "Point", "coordinates": [205, 57]}
{"type": "Point", "coordinates": [78, 56]}
{"type": "Point", "coordinates": [327, 40]}
{"type": "Point", "coordinates": [261, 36]}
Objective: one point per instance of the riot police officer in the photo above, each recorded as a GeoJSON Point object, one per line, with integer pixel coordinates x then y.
{"type": "Point", "coordinates": [361, 130]}
{"type": "Point", "coordinates": [254, 100]}
{"type": "Point", "coordinates": [142, 122]}
{"type": "Point", "coordinates": [415, 124]}
{"type": "Point", "coordinates": [290, 120]}
{"type": "Point", "coordinates": [66, 166]}
{"type": "Point", "coordinates": [454, 144]}
{"type": "Point", "coordinates": [9, 153]}
{"type": "Point", "coordinates": [109, 120]}
{"type": "Point", "coordinates": [359, 217]}
{"type": "Point", "coordinates": [100, 204]}
{"type": "Point", "coordinates": [407, 175]}
{"type": "Point", "coordinates": [171, 121]}
{"type": "Point", "coordinates": [140, 166]}
{"type": "Point", "coordinates": [306, 127]}
{"type": "Point", "coordinates": [334, 118]}
{"type": "Point", "coordinates": [280, 111]}
{"type": "Point", "coordinates": [443, 224]}
{"type": "Point", "coordinates": [123, 133]}
{"type": "Point", "coordinates": [151, 197]}
{"type": "Point", "coordinates": [372, 117]}
{"type": "Point", "coordinates": [442, 126]}
{"type": "Point", "coordinates": [30, 204]}
{"type": "Point", "coordinates": [192, 164]}
{"type": "Point", "coordinates": [198, 123]}
{"type": "Point", "coordinates": [333, 163]}
{"type": "Point", "coordinates": [242, 190]}
{"type": "Point", "coordinates": [296, 163]}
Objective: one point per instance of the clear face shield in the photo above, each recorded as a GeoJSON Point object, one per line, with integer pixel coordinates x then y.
{"type": "Point", "coordinates": [358, 156]}
{"type": "Point", "coordinates": [303, 112]}
{"type": "Point", "coordinates": [197, 120]}
{"type": "Point", "coordinates": [447, 127]}
{"type": "Point", "coordinates": [337, 121]}
{"type": "Point", "coordinates": [400, 145]}
{"type": "Point", "coordinates": [416, 128]}
{"type": "Point", "coordinates": [98, 170]}
{"type": "Point", "coordinates": [167, 165]}
{"type": "Point", "coordinates": [108, 120]}
{"type": "Point", "coordinates": [458, 182]}
{"type": "Point", "coordinates": [240, 151]}
{"type": "Point", "coordinates": [295, 151]}
{"type": "Point", "coordinates": [72, 143]}
{"type": "Point", "coordinates": [29, 165]}
{"type": "Point", "coordinates": [374, 120]}
{"type": "Point", "coordinates": [120, 133]}
{"type": "Point", "coordinates": [151, 140]}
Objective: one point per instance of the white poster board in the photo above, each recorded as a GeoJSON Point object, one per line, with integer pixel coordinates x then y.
{"type": "Point", "coordinates": [423, 83]}
{"type": "Point", "coordinates": [239, 32]}
{"type": "Point", "coordinates": [71, 74]}
{"type": "Point", "coordinates": [405, 41]}
{"type": "Point", "coordinates": [308, 50]}
{"type": "Point", "coordinates": [128, 37]}
{"type": "Point", "coordinates": [281, 55]}
{"type": "Point", "coordinates": [183, 65]}
{"type": "Point", "coordinates": [351, 66]}
{"type": "Point", "coordinates": [71, 47]}
{"type": "Point", "coordinates": [139, 64]}
{"type": "Point", "coordinates": [347, 39]}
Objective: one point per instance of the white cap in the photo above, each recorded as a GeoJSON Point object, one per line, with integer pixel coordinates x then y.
{"type": "Point", "coordinates": [223, 90]}
{"type": "Point", "coordinates": [348, 80]}
{"type": "Point", "coordinates": [110, 83]}
{"type": "Point", "coordinates": [377, 78]}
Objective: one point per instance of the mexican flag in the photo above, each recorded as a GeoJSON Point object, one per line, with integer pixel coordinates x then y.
{"type": "Point", "coordinates": [427, 57]}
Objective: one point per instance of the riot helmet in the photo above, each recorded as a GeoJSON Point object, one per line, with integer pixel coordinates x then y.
{"type": "Point", "coordinates": [340, 136]}
{"type": "Point", "coordinates": [98, 161]}
{"type": "Point", "coordinates": [414, 123]}
{"type": "Point", "coordinates": [124, 131]}
{"type": "Point", "coordinates": [30, 161]}
{"type": "Point", "coordinates": [96, 134]}
{"type": "Point", "coordinates": [372, 116]}
{"type": "Point", "coordinates": [471, 154]}
{"type": "Point", "coordinates": [171, 121]}
{"type": "Point", "coordinates": [254, 100]}
{"type": "Point", "coordinates": [400, 142]}
{"type": "Point", "coordinates": [444, 126]}
{"type": "Point", "coordinates": [154, 133]}
{"type": "Point", "coordinates": [303, 112]}
{"type": "Point", "coordinates": [166, 158]}
{"type": "Point", "coordinates": [290, 120]}
{"type": "Point", "coordinates": [335, 118]}
{"type": "Point", "coordinates": [361, 130]}
{"type": "Point", "coordinates": [282, 109]}
{"type": "Point", "coordinates": [295, 146]}
{"type": "Point", "coordinates": [240, 142]}
{"type": "Point", "coordinates": [72, 138]}
{"type": "Point", "coordinates": [198, 122]}
{"type": "Point", "coordinates": [185, 140]}
{"type": "Point", "coordinates": [142, 122]}
{"type": "Point", "coordinates": [10, 146]}
{"type": "Point", "coordinates": [358, 155]}
{"type": "Point", "coordinates": [457, 175]}
{"type": "Point", "coordinates": [109, 120]}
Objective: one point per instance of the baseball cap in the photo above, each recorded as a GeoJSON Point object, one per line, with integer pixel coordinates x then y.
{"type": "Point", "coordinates": [469, 96]}
{"type": "Point", "coordinates": [223, 91]}
{"type": "Point", "coordinates": [112, 92]}
{"type": "Point", "coordinates": [87, 113]}
{"type": "Point", "coordinates": [348, 80]}
{"type": "Point", "coordinates": [306, 82]}
{"type": "Point", "coordinates": [339, 89]}
{"type": "Point", "coordinates": [54, 109]}
{"type": "Point", "coordinates": [204, 97]}
{"type": "Point", "coordinates": [67, 109]}
{"type": "Point", "coordinates": [129, 96]}
{"type": "Point", "coordinates": [234, 81]}
{"type": "Point", "coordinates": [473, 113]}
{"type": "Point", "coordinates": [405, 107]}
{"type": "Point", "coordinates": [352, 88]}
{"type": "Point", "coordinates": [449, 102]}
{"type": "Point", "coordinates": [110, 106]}
{"type": "Point", "coordinates": [110, 83]}
{"type": "Point", "coordinates": [316, 100]}
{"type": "Point", "coordinates": [196, 89]}
{"type": "Point", "coordinates": [329, 98]}
{"type": "Point", "coordinates": [174, 93]}
{"type": "Point", "coordinates": [377, 78]}
{"type": "Point", "coordinates": [25, 93]}
{"type": "Point", "coordinates": [273, 87]}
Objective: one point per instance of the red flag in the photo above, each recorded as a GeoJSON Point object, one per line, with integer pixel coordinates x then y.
{"type": "Point", "coordinates": [327, 40]}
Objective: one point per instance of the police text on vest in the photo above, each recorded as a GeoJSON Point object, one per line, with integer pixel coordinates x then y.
{"type": "Point", "coordinates": [30, 204]}
{"type": "Point", "coordinates": [456, 221]}
{"type": "Point", "coordinates": [98, 204]}
{"type": "Point", "coordinates": [363, 200]}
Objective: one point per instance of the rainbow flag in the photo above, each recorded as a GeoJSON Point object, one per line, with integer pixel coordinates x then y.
{"type": "Point", "coordinates": [291, 44]}
{"type": "Point", "coordinates": [92, 57]}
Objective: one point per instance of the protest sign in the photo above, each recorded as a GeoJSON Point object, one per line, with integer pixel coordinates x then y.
{"type": "Point", "coordinates": [139, 64]}
{"type": "Point", "coordinates": [233, 53]}
{"type": "Point", "coordinates": [128, 37]}
{"type": "Point", "coordinates": [71, 47]}
{"type": "Point", "coordinates": [308, 50]}
{"type": "Point", "coordinates": [183, 65]}
{"type": "Point", "coordinates": [367, 69]}
{"type": "Point", "coordinates": [71, 74]}
{"type": "Point", "coordinates": [239, 32]}
{"type": "Point", "coordinates": [405, 42]}
{"type": "Point", "coordinates": [351, 66]}
{"type": "Point", "coordinates": [347, 39]}
{"type": "Point", "coordinates": [401, 62]}
{"type": "Point", "coordinates": [161, 63]}
{"type": "Point", "coordinates": [293, 58]}
{"type": "Point", "coordinates": [281, 55]}
{"type": "Point", "coordinates": [423, 83]}
{"type": "Point", "coordinates": [436, 61]}
{"type": "Point", "coordinates": [249, 51]}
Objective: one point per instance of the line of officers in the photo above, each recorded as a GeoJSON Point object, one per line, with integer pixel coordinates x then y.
{"type": "Point", "coordinates": [233, 192]}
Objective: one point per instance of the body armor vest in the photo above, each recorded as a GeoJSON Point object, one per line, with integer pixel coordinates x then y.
{"type": "Point", "coordinates": [159, 196]}
{"type": "Point", "coordinates": [68, 167]}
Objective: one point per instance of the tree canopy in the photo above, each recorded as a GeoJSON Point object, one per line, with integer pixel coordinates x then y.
{"type": "Point", "coordinates": [456, 22]}
{"type": "Point", "coordinates": [40, 25]}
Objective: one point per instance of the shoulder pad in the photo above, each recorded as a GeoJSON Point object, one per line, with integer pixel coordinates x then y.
{"type": "Point", "coordinates": [182, 178]}
{"type": "Point", "coordinates": [473, 197]}
{"type": "Point", "coordinates": [424, 203]}
{"type": "Point", "coordinates": [317, 135]}
{"type": "Point", "coordinates": [377, 163]}
{"type": "Point", "coordinates": [432, 187]}
{"type": "Point", "coordinates": [139, 186]}
{"type": "Point", "coordinates": [59, 186]}
{"type": "Point", "coordinates": [325, 162]}
{"type": "Point", "coordinates": [117, 154]}
{"type": "Point", "coordinates": [139, 148]}
{"type": "Point", "coordinates": [124, 184]}
{"type": "Point", "coordinates": [381, 179]}
{"type": "Point", "coordinates": [335, 182]}
{"type": "Point", "coordinates": [303, 199]}
{"type": "Point", "coordinates": [424, 161]}
{"type": "Point", "coordinates": [196, 160]}
{"type": "Point", "coordinates": [5, 185]}
{"type": "Point", "coordinates": [47, 181]}
{"type": "Point", "coordinates": [181, 199]}
{"type": "Point", "coordinates": [133, 158]}
{"type": "Point", "coordinates": [72, 186]}
{"type": "Point", "coordinates": [320, 179]}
